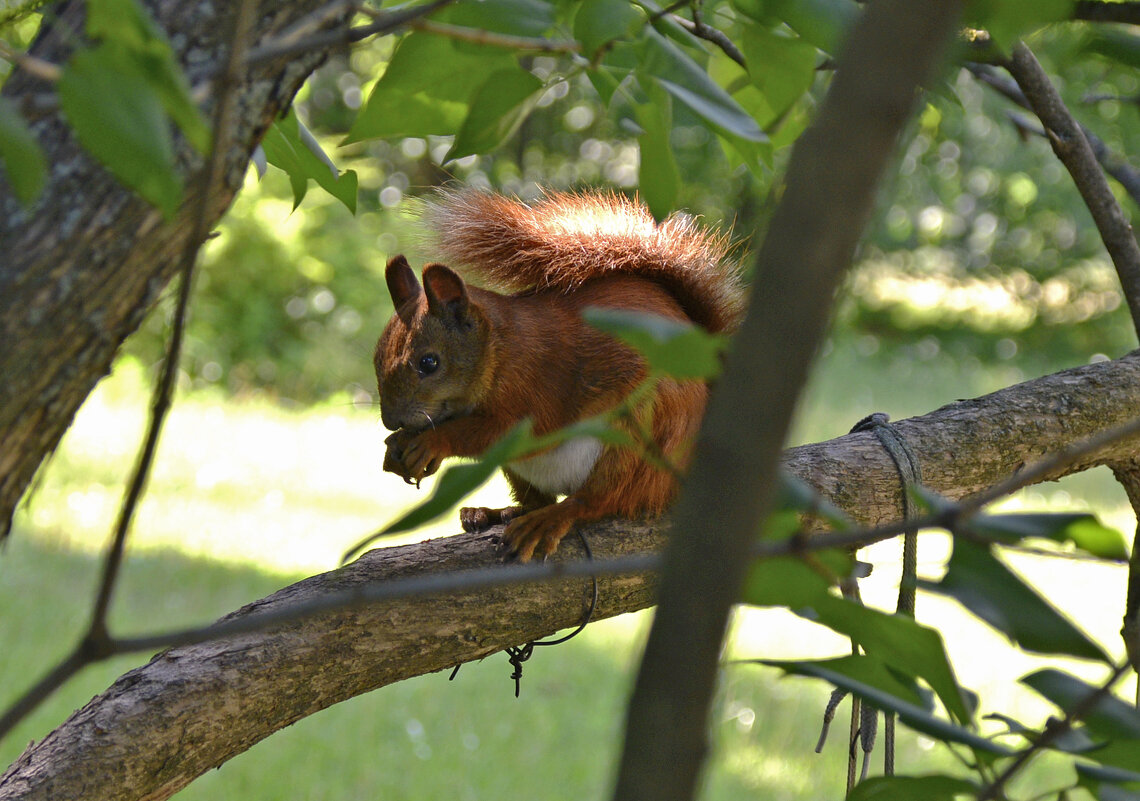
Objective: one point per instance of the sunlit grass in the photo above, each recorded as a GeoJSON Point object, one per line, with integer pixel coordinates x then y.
{"type": "Point", "coordinates": [247, 497]}
{"type": "Point", "coordinates": [240, 482]}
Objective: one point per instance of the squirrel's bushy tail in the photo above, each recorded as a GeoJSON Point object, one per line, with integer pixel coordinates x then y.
{"type": "Point", "coordinates": [564, 239]}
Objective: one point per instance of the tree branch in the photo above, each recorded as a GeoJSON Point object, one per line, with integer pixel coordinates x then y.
{"type": "Point", "coordinates": [1073, 149]}
{"type": "Point", "coordinates": [221, 697]}
{"type": "Point", "coordinates": [1113, 163]}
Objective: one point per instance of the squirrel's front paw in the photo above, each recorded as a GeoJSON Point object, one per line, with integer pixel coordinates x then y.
{"type": "Point", "coordinates": [412, 455]}
{"type": "Point", "coordinates": [479, 518]}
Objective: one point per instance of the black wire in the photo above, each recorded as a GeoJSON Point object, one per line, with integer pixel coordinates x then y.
{"type": "Point", "coordinates": [520, 654]}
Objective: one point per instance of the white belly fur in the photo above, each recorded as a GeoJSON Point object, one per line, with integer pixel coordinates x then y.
{"type": "Point", "coordinates": [562, 470]}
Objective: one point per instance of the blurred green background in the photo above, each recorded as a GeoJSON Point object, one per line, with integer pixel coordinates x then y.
{"type": "Point", "coordinates": [981, 269]}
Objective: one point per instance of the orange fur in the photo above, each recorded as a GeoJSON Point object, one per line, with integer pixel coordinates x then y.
{"type": "Point", "coordinates": [458, 365]}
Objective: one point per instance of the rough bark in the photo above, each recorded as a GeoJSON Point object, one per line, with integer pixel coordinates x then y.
{"type": "Point", "coordinates": [197, 706]}
{"type": "Point", "coordinates": [80, 269]}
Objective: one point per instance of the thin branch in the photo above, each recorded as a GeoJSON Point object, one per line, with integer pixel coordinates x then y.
{"type": "Point", "coordinates": [1098, 11]}
{"type": "Point", "coordinates": [313, 22]}
{"type": "Point", "coordinates": [702, 30]}
{"type": "Point", "coordinates": [385, 23]}
{"type": "Point", "coordinates": [1053, 730]}
{"type": "Point", "coordinates": [1128, 474]}
{"type": "Point", "coordinates": [45, 70]}
{"type": "Point", "coordinates": [211, 177]}
{"type": "Point", "coordinates": [48, 683]}
{"type": "Point", "coordinates": [1113, 163]}
{"type": "Point", "coordinates": [1071, 146]}
{"type": "Point", "coordinates": [480, 36]}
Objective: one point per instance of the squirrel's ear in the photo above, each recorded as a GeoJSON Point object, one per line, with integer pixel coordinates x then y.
{"type": "Point", "coordinates": [446, 293]}
{"type": "Point", "coordinates": [402, 286]}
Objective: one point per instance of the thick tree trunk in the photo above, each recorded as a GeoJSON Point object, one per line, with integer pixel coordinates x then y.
{"type": "Point", "coordinates": [80, 269]}
{"type": "Point", "coordinates": [197, 706]}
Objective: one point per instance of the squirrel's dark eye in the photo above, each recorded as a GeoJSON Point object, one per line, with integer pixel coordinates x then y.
{"type": "Point", "coordinates": [428, 364]}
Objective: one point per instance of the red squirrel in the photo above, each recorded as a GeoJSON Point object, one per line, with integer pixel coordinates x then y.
{"type": "Point", "coordinates": [458, 366]}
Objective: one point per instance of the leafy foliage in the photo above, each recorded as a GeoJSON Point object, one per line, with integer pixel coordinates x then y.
{"type": "Point", "coordinates": [120, 95]}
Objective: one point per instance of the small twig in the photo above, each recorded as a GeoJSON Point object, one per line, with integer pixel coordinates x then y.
{"type": "Point", "coordinates": [1098, 98]}
{"type": "Point", "coordinates": [480, 36]}
{"type": "Point", "coordinates": [1128, 474]}
{"type": "Point", "coordinates": [49, 683]}
{"type": "Point", "coordinates": [312, 23]}
{"type": "Point", "coordinates": [702, 30]}
{"type": "Point", "coordinates": [45, 70]}
{"type": "Point", "coordinates": [669, 9]}
{"type": "Point", "coordinates": [385, 22]}
{"type": "Point", "coordinates": [1053, 730]}
{"type": "Point", "coordinates": [1071, 146]}
{"type": "Point", "coordinates": [1113, 163]}
{"type": "Point", "coordinates": [211, 177]}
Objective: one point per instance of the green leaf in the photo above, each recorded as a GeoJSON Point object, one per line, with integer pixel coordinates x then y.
{"type": "Point", "coordinates": [900, 641]}
{"type": "Point", "coordinates": [1092, 536]}
{"type": "Point", "coordinates": [783, 581]}
{"type": "Point", "coordinates": [821, 23]}
{"type": "Point", "coordinates": [123, 21]}
{"type": "Point", "coordinates": [427, 88]}
{"type": "Point", "coordinates": [23, 159]}
{"type": "Point", "coordinates": [118, 118]}
{"type": "Point", "coordinates": [126, 25]}
{"type": "Point", "coordinates": [861, 671]}
{"type": "Point", "coordinates": [797, 494]}
{"type": "Point", "coordinates": [932, 787]}
{"type": "Point", "coordinates": [668, 65]}
{"type": "Point", "coordinates": [497, 110]}
{"type": "Point", "coordinates": [682, 350]}
{"type": "Point", "coordinates": [914, 716]}
{"type": "Point", "coordinates": [599, 22]}
{"type": "Point", "coordinates": [659, 179]}
{"type": "Point", "coordinates": [512, 17]}
{"type": "Point", "coordinates": [1110, 718]}
{"type": "Point", "coordinates": [289, 146]}
{"type": "Point", "coordinates": [981, 583]}
{"type": "Point", "coordinates": [781, 67]}
{"type": "Point", "coordinates": [1080, 528]}
{"type": "Point", "coordinates": [1093, 777]}
{"type": "Point", "coordinates": [1074, 741]}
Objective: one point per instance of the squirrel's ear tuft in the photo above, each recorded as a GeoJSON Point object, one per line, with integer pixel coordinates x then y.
{"type": "Point", "coordinates": [446, 293]}
{"type": "Point", "coordinates": [403, 286]}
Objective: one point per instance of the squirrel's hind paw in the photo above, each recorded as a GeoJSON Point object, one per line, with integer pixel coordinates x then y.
{"type": "Point", "coordinates": [538, 531]}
